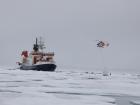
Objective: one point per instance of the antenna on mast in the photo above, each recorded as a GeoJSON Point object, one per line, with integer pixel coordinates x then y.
{"type": "Point", "coordinates": [41, 43]}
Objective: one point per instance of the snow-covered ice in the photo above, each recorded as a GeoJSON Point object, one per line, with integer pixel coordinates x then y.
{"type": "Point", "coordinates": [64, 87]}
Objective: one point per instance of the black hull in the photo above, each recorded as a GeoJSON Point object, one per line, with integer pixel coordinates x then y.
{"type": "Point", "coordinates": [41, 67]}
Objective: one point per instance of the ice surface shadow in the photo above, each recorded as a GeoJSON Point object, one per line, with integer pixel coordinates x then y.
{"type": "Point", "coordinates": [120, 100]}
{"type": "Point", "coordinates": [48, 86]}
{"type": "Point", "coordinates": [60, 79]}
{"type": "Point", "coordinates": [4, 73]}
{"type": "Point", "coordinates": [37, 80]}
{"type": "Point", "coordinates": [75, 94]}
{"type": "Point", "coordinates": [9, 91]}
{"type": "Point", "coordinates": [9, 74]}
{"type": "Point", "coordinates": [12, 81]}
{"type": "Point", "coordinates": [133, 82]}
{"type": "Point", "coordinates": [134, 103]}
{"type": "Point", "coordinates": [54, 78]}
{"type": "Point", "coordinates": [124, 99]}
{"type": "Point", "coordinates": [76, 87]}
{"type": "Point", "coordinates": [94, 78]}
{"type": "Point", "coordinates": [74, 84]}
{"type": "Point", "coordinates": [9, 86]}
{"type": "Point", "coordinates": [69, 93]}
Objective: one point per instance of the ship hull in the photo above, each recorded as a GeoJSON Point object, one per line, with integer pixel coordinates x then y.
{"type": "Point", "coordinates": [40, 67]}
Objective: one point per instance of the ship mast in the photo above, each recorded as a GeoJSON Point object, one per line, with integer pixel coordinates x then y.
{"type": "Point", "coordinates": [36, 46]}
{"type": "Point", "coordinates": [41, 44]}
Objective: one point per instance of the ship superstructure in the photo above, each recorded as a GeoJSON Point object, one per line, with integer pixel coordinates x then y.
{"type": "Point", "coordinates": [38, 59]}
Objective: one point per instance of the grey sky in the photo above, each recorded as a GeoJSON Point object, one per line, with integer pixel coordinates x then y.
{"type": "Point", "coordinates": [70, 28]}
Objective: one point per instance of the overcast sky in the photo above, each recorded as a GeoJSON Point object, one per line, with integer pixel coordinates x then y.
{"type": "Point", "coordinates": [70, 28]}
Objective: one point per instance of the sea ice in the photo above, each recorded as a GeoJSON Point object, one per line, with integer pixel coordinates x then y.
{"type": "Point", "coordinates": [19, 87]}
